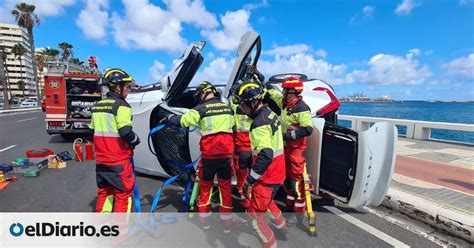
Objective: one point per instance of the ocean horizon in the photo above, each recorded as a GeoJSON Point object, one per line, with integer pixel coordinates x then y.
{"type": "Point", "coordinates": [450, 112]}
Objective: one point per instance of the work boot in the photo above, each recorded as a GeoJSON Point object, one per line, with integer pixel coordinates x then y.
{"type": "Point", "coordinates": [229, 225]}
{"type": "Point", "coordinates": [205, 223]}
{"type": "Point", "coordinates": [281, 234]}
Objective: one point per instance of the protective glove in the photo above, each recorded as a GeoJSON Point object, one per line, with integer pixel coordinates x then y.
{"type": "Point", "coordinates": [287, 136]}
{"type": "Point", "coordinates": [135, 141]}
{"type": "Point", "coordinates": [247, 190]}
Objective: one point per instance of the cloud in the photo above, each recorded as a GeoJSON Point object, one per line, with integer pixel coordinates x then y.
{"type": "Point", "coordinates": [462, 67]}
{"type": "Point", "coordinates": [94, 19]}
{"type": "Point", "coordinates": [385, 69]}
{"type": "Point", "coordinates": [235, 24]}
{"type": "Point", "coordinates": [288, 50]}
{"type": "Point", "coordinates": [193, 12]}
{"type": "Point", "coordinates": [415, 51]}
{"type": "Point", "coordinates": [406, 6]}
{"type": "Point", "coordinates": [305, 63]}
{"type": "Point", "coordinates": [252, 6]}
{"type": "Point", "coordinates": [365, 15]}
{"type": "Point", "coordinates": [157, 70]}
{"type": "Point", "coordinates": [144, 25]}
{"type": "Point", "coordinates": [217, 71]}
{"type": "Point", "coordinates": [147, 26]}
{"type": "Point", "coordinates": [44, 8]}
{"type": "Point", "coordinates": [321, 53]}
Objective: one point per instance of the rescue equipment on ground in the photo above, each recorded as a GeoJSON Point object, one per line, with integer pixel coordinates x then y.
{"type": "Point", "coordinates": [7, 180]}
{"type": "Point", "coordinates": [90, 151]}
{"type": "Point", "coordinates": [77, 146]}
{"type": "Point", "coordinates": [184, 169]}
{"type": "Point", "coordinates": [42, 153]}
{"type": "Point", "coordinates": [55, 162]}
{"type": "Point", "coordinates": [65, 156]}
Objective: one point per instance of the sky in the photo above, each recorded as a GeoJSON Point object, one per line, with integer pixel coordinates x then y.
{"type": "Point", "coordinates": [406, 49]}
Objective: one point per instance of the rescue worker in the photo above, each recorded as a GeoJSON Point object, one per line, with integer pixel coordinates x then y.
{"type": "Point", "coordinates": [242, 160]}
{"type": "Point", "coordinates": [297, 126]}
{"type": "Point", "coordinates": [215, 120]}
{"type": "Point", "coordinates": [114, 141]}
{"type": "Point", "coordinates": [268, 169]}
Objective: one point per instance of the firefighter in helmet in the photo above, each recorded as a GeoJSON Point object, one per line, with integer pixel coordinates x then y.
{"type": "Point", "coordinates": [297, 126]}
{"type": "Point", "coordinates": [268, 169]}
{"type": "Point", "coordinates": [215, 120]}
{"type": "Point", "coordinates": [114, 141]}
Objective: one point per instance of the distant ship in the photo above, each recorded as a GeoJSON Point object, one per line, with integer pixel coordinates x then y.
{"type": "Point", "coordinates": [360, 97]}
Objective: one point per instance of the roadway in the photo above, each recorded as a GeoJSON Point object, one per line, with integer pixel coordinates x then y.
{"type": "Point", "coordinates": [73, 189]}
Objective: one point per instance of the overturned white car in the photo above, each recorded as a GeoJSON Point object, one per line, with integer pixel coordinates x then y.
{"type": "Point", "coordinates": [355, 167]}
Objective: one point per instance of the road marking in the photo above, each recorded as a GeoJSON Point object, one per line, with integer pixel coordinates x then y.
{"type": "Point", "coordinates": [29, 119]}
{"type": "Point", "coordinates": [368, 228]}
{"type": "Point", "coordinates": [4, 149]}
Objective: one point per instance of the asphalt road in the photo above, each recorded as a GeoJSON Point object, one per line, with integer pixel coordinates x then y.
{"type": "Point", "coordinates": [73, 189]}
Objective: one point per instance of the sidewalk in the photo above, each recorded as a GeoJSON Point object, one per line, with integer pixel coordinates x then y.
{"type": "Point", "coordinates": [434, 182]}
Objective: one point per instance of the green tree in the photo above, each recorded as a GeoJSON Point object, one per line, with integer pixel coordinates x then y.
{"type": "Point", "coordinates": [76, 61]}
{"type": "Point", "coordinates": [25, 17]}
{"type": "Point", "coordinates": [66, 51]}
{"type": "Point", "coordinates": [50, 54]}
{"type": "Point", "coordinates": [18, 51]}
{"type": "Point", "coordinates": [4, 76]}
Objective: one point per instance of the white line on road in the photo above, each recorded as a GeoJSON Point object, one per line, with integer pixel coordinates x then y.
{"type": "Point", "coordinates": [4, 149]}
{"type": "Point", "coordinates": [29, 119]}
{"type": "Point", "coordinates": [368, 228]}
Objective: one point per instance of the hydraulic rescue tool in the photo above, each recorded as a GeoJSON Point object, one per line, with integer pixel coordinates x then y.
{"type": "Point", "coordinates": [308, 188]}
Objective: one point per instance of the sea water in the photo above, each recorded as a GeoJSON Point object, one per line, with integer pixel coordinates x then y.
{"type": "Point", "coordinates": [450, 112]}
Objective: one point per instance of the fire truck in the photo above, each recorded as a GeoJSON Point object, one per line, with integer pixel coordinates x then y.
{"type": "Point", "coordinates": [70, 92]}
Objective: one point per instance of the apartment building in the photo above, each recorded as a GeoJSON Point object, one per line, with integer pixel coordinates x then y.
{"type": "Point", "coordinates": [10, 35]}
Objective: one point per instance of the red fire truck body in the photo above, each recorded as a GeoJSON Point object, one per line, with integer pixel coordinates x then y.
{"type": "Point", "coordinates": [70, 93]}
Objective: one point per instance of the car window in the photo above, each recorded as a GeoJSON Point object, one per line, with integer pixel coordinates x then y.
{"type": "Point", "coordinates": [250, 59]}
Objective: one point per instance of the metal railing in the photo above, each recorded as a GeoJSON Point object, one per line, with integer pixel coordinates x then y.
{"type": "Point", "coordinates": [419, 130]}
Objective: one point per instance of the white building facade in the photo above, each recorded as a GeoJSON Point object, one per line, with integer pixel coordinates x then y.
{"type": "Point", "coordinates": [10, 35]}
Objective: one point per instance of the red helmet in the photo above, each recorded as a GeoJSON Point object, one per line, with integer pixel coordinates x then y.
{"type": "Point", "coordinates": [293, 83]}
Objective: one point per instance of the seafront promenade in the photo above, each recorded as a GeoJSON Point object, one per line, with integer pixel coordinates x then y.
{"type": "Point", "coordinates": [440, 177]}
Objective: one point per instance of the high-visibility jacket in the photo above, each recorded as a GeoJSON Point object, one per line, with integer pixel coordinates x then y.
{"type": "Point", "coordinates": [295, 120]}
{"type": "Point", "coordinates": [267, 148]}
{"type": "Point", "coordinates": [242, 124]}
{"type": "Point", "coordinates": [113, 134]}
{"type": "Point", "coordinates": [215, 120]}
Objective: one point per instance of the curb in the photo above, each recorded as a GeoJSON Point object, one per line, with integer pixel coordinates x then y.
{"type": "Point", "coordinates": [12, 111]}
{"type": "Point", "coordinates": [454, 222]}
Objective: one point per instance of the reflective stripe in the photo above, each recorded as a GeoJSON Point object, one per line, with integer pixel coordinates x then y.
{"type": "Point", "coordinates": [280, 226]}
{"type": "Point", "coordinates": [289, 197]}
{"type": "Point", "coordinates": [277, 153]}
{"type": "Point", "coordinates": [106, 134]}
{"type": "Point", "coordinates": [204, 215]}
{"type": "Point", "coordinates": [259, 232]}
{"type": "Point", "coordinates": [213, 132]}
{"type": "Point", "coordinates": [293, 134]}
{"type": "Point", "coordinates": [298, 194]}
{"type": "Point", "coordinates": [255, 175]}
{"type": "Point", "coordinates": [209, 124]}
{"type": "Point", "coordinates": [226, 216]}
{"type": "Point", "coordinates": [110, 122]}
{"type": "Point", "coordinates": [300, 205]}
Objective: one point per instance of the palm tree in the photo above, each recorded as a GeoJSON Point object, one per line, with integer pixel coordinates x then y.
{"type": "Point", "coordinates": [18, 51]}
{"type": "Point", "coordinates": [25, 17]}
{"type": "Point", "coordinates": [3, 76]}
{"type": "Point", "coordinates": [76, 61]}
{"type": "Point", "coordinates": [50, 54]}
{"type": "Point", "coordinates": [66, 50]}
